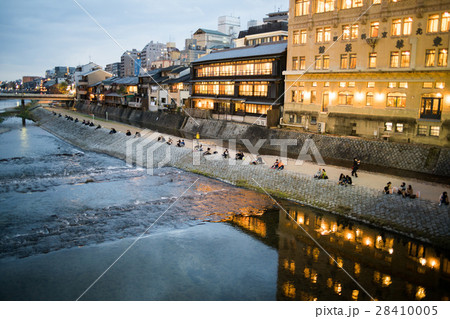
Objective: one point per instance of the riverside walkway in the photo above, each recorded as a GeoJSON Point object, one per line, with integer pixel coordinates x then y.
{"type": "Point", "coordinates": [416, 218]}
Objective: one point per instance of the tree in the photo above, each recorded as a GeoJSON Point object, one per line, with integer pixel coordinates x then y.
{"type": "Point", "coordinates": [62, 87]}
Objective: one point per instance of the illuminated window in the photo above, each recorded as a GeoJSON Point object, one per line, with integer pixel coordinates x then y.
{"type": "Point", "coordinates": [399, 128]}
{"type": "Point", "coordinates": [245, 89]}
{"type": "Point", "coordinates": [374, 27]}
{"type": "Point", "coordinates": [396, 27]}
{"type": "Point", "coordinates": [342, 84]}
{"type": "Point", "coordinates": [405, 59]}
{"type": "Point", "coordinates": [427, 85]}
{"type": "Point", "coordinates": [345, 98]}
{"type": "Point", "coordinates": [434, 131]}
{"type": "Point", "coordinates": [445, 22]}
{"type": "Point", "coordinates": [303, 36]}
{"type": "Point", "coordinates": [260, 89]}
{"type": "Point", "coordinates": [350, 32]}
{"type": "Point", "coordinates": [313, 97]}
{"type": "Point", "coordinates": [302, 63]}
{"type": "Point", "coordinates": [396, 100]}
{"type": "Point", "coordinates": [407, 26]}
{"type": "Point", "coordinates": [352, 64]}
{"type": "Point", "coordinates": [387, 127]}
{"type": "Point", "coordinates": [296, 37]}
{"type": "Point", "coordinates": [422, 130]}
{"type": "Point", "coordinates": [326, 62]}
{"type": "Point", "coordinates": [430, 57]}
{"type": "Point", "coordinates": [370, 84]}
{"type": "Point", "coordinates": [324, 6]}
{"type": "Point", "coordinates": [403, 85]}
{"type": "Point", "coordinates": [369, 99]}
{"type": "Point", "coordinates": [372, 60]}
{"type": "Point", "coordinates": [394, 60]}
{"type": "Point", "coordinates": [354, 31]}
{"type": "Point", "coordinates": [351, 84]}
{"type": "Point", "coordinates": [442, 57]}
{"type": "Point", "coordinates": [327, 34]}
{"type": "Point", "coordinates": [326, 84]}
{"type": "Point", "coordinates": [440, 85]}
{"type": "Point", "coordinates": [314, 84]}
{"type": "Point", "coordinates": [345, 32]}
{"type": "Point", "coordinates": [347, 4]}
{"type": "Point", "coordinates": [376, 1]}
{"type": "Point", "coordinates": [295, 63]}
{"type": "Point", "coordinates": [344, 61]}
{"type": "Point", "coordinates": [319, 35]}
{"type": "Point", "coordinates": [392, 85]}
{"type": "Point", "coordinates": [301, 7]}
{"type": "Point", "coordinates": [294, 96]}
{"type": "Point", "coordinates": [433, 23]}
{"type": "Point", "coordinates": [318, 62]}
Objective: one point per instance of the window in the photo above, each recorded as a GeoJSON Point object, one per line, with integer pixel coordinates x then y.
{"type": "Point", "coordinates": [324, 6]}
{"type": "Point", "coordinates": [406, 57]}
{"type": "Point", "coordinates": [327, 34]}
{"type": "Point", "coordinates": [388, 126]}
{"type": "Point", "coordinates": [314, 84]}
{"type": "Point", "coordinates": [399, 127]}
{"type": "Point", "coordinates": [407, 26]}
{"type": "Point", "coordinates": [427, 85]}
{"type": "Point", "coordinates": [326, 84]}
{"type": "Point", "coordinates": [440, 85]}
{"type": "Point", "coordinates": [351, 84]}
{"type": "Point", "coordinates": [445, 22]}
{"type": "Point", "coordinates": [294, 96]}
{"type": "Point", "coordinates": [301, 7]}
{"type": "Point", "coordinates": [434, 131]}
{"type": "Point", "coordinates": [376, 1]}
{"type": "Point", "coordinates": [430, 57]}
{"type": "Point", "coordinates": [295, 63]}
{"type": "Point", "coordinates": [342, 84]}
{"type": "Point", "coordinates": [374, 27]}
{"type": "Point", "coordinates": [422, 130]}
{"type": "Point", "coordinates": [431, 107]}
{"type": "Point", "coordinates": [369, 99]}
{"type": "Point", "coordinates": [318, 62]}
{"type": "Point", "coordinates": [433, 23]}
{"type": "Point", "coordinates": [291, 118]}
{"type": "Point", "coordinates": [442, 57]}
{"type": "Point", "coordinates": [319, 35]}
{"type": "Point", "coordinates": [349, 32]}
{"type": "Point", "coordinates": [347, 4]}
{"type": "Point", "coordinates": [345, 98]}
{"type": "Point", "coordinates": [392, 85]}
{"type": "Point", "coordinates": [245, 89]}
{"type": "Point", "coordinates": [302, 63]}
{"type": "Point", "coordinates": [396, 27]}
{"type": "Point", "coordinates": [303, 36]}
{"type": "Point", "coordinates": [296, 37]}
{"type": "Point", "coordinates": [403, 85]}
{"type": "Point", "coordinates": [394, 60]}
{"type": "Point", "coordinates": [396, 100]}
{"type": "Point", "coordinates": [344, 61]}
{"type": "Point", "coordinates": [370, 84]}
{"type": "Point", "coordinates": [313, 97]}
{"type": "Point", "coordinates": [326, 62]}
{"type": "Point", "coordinates": [260, 89]}
{"type": "Point", "coordinates": [372, 60]}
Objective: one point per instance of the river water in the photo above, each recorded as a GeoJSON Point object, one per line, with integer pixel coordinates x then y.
{"type": "Point", "coordinates": [66, 215]}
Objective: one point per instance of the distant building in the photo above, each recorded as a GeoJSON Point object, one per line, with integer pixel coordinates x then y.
{"type": "Point", "coordinates": [152, 52]}
{"type": "Point", "coordinates": [113, 68]}
{"type": "Point", "coordinates": [61, 72]}
{"type": "Point", "coordinates": [229, 25]}
{"type": "Point", "coordinates": [253, 23]}
{"type": "Point", "coordinates": [191, 52]}
{"type": "Point", "coordinates": [130, 63]}
{"type": "Point", "coordinates": [26, 79]}
{"type": "Point", "coordinates": [206, 39]}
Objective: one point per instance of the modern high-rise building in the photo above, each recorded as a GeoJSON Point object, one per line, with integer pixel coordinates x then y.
{"type": "Point", "coordinates": [130, 63]}
{"type": "Point", "coordinates": [152, 52]}
{"type": "Point", "coordinates": [369, 68]}
{"type": "Point", "coordinates": [113, 68]}
{"type": "Point", "coordinates": [229, 25]}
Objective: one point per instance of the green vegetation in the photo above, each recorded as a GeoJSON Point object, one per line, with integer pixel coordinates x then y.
{"type": "Point", "coordinates": [22, 111]}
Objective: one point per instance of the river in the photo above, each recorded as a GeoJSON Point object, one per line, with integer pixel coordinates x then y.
{"type": "Point", "coordinates": [66, 215]}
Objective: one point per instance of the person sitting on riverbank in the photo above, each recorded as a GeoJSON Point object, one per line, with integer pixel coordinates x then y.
{"type": "Point", "coordinates": [388, 188]}
{"type": "Point", "coordinates": [91, 124]}
{"type": "Point", "coordinates": [181, 143]}
{"type": "Point", "coordinates": [198, 148]}
{"type": "Point", "coordinates": [280, 166]}
{"type": "Point", "coordinates": [258, 161]}
{"type": "Point", "coordinates": [443, 200]}
{"type": "Point", "coordinates": [402, 189]}
{"type": "Point", "coordinates": [113, 131]}
{"type": "Point", "coordinates": [276, 164]}
{"type": "Point", "coordinates": [348, 180]}
{"type": "Point", "coordinates": [226, 154]}
{"type": "Point", "coordinates": [324, 174]}
{"type": "Point", "coordinates": [138, 134]}
{"type": "Point", "coordinates": [318, 174]}
{"type": "Point", "coordinates": [409, 192]}
{"type": "Point", "coordinates": [208, 152]}
{"type": "Point", "coordinates": [76, 120]}
{"type": "Point", "coordinates": [98, 127]}
{"type": "Point", "coordinates": [342, 180]}
{"type": "Point", "coordinates": [84, 122]}
{"type": "Point", "coordinates": [128, 133]}
{"type": "Point", "coordinates": [161, 139]}
{"type": "Point", "coordinates": [239, 156]}
{"type": "Point", "coordinates": [169, 141]}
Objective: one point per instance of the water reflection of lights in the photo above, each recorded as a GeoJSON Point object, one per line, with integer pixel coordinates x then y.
{"type": "Point", "coordinates": [338, 288]}
{"type": "Point", "coordinates": [355, 294]}
{"type": "Point", "coordinates": [289, 290]}
{"type": "Point", "coordinates": [368, 242]}
{"type": "Point", "coordinates": [391, 251]}
{"type": "Point", "coordinates": [423, 261]}
{"type": "Point", "coordinates": [387, 281]}
{"type": "Point", "coordinates": [357, 269]}
{"type": "Point", "coordinates": [420, 293]}
{"type": "Point", "coordinates": [340, 262]}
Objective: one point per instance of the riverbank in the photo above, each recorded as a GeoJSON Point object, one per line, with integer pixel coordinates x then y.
{"type": "Point", "coordinates": [418, 218]}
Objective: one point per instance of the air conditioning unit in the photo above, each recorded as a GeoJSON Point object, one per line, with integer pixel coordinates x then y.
{"type": "Point", "coordinates": [321, 127]}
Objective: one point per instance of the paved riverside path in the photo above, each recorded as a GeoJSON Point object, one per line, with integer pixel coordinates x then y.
{"type": "Point", "coordinates": [375, 181]}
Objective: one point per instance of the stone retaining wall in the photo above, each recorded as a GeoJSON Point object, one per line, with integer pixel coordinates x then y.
{"type": "Point", "coordinates": [415, 218]}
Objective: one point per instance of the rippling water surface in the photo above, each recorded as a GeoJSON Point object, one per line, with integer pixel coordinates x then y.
{"type": "Point", "coordinates": [66, 215]}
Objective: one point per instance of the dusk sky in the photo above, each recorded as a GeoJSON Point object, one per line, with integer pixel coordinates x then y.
{"type": "Point", "coordinates": [37, 35]}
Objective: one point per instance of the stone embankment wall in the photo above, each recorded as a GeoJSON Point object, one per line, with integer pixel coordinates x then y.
{"type": "Point", "coordinates": [415, 218]}
{"type": "Point", "coordinates": [409, 157]}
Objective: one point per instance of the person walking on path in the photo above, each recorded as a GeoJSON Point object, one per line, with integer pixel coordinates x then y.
{"type": "Point", "coordinates": [443, 199]}
{"type": "Point", "coordinates": [356, 164]}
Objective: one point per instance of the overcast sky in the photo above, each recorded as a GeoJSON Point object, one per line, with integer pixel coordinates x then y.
{"type": "Point", "coordinates": [36, 35]}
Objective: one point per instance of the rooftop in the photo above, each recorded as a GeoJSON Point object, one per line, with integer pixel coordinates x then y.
{"type": "Point", "coordinates": [215, 32]}
{"type": "Point", "coordinates": [246, 52]}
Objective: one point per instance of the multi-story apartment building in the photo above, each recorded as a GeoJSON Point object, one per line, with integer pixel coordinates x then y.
{"type": "Point", "coordinates": [241, 84]}
{"type": "Point", "coordinates": [369, 68]}
{"type": "Point", "coordinates": [113, 68]}
{"type": "Point", "coordinates": [152, 52]}
{"type": "Point", "coordinates": [130, 63]}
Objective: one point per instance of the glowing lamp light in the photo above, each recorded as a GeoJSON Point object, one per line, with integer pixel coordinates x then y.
{"type": "Point", "coordinates": [349, 236]}
{"type": "Point", "coordinates": [447, 99]}
{"type": "Point", "coordinates": [368, 242]}
{"type": "Point", "coordinates": [433, 263]}
{"type": "Point", "coordinates": [332, 95]}
{"type": "Point", "coordinates": [359, 96]}
{"type": "Point", "coordinates": [379, 96]}
{"type": "Point", "coordinates": [391, 251]}
{"type": "Point", "coordinates": [199, 104]}
{"type": "Point", "coordinates": [423, 261]}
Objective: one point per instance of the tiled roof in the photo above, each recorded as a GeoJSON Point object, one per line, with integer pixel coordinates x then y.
{"type": "Point", "coordinates": [215, 32]}
{"type": "Point", "coordinates": [245, 52]}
